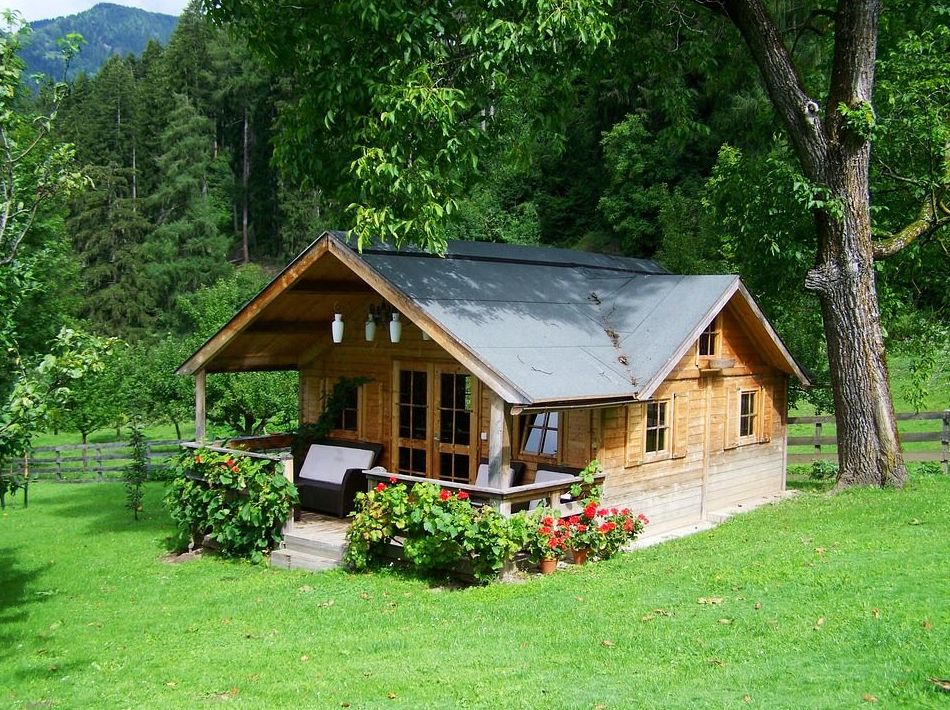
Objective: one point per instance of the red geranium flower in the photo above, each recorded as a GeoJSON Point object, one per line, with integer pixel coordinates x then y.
{"type": "Point", "coordinates": [643, 519]}
{"type": "Point", "coordinates": [462, 495]}
{"type": "Point", "coordinates": [574, 519]}
{"type": "Point", "coordinates": [625, 511]}
{"type": "Point", "coordinates": [380, 487]}
{"type": "Point", "coordinates": [613, 511]}
{"type": "Point", "coordinates": [628, 526]}
{"type": "Point", "coordinates": [607, 527]}
{"type": "Point", "coordinates": [590, 512]}
{"type": "Point", "coordinates": [602, 512]}
{"type": "Point", "coordinates": [393, 480]}
{"type": "Point", "coordinates": [547, 520]}
{"type": "Point", "coordinates": [444, 494]}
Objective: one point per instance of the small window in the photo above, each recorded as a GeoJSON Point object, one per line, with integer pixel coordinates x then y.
{"type": "Point", "coordinates": [540, 434]}
{"type": "Point", "coordinates": [658, 426]}
{"type": "Point", "coordinates": [747, 413]}
{"type": "Point", "coordinates": [709, 340]}
{"type": "Point", "coordinates": [348, 417]}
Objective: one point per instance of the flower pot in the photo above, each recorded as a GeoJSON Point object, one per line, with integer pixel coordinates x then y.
{"type": "Point", "coordinates": [548, 566]}
{"type": "Point", "coordinates": [580, 556]}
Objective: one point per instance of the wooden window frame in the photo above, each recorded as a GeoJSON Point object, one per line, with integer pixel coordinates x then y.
{"type": "Point", "coordinates": [752, 437]}
{"type": "Point", "coordinates": [355, 434]}
{"type": "Point", "coordinates": [522, 428]}
{"type": "Point", "coordinates": [712, 330]}
{"type": "Point", "coordinates": [667, 429]}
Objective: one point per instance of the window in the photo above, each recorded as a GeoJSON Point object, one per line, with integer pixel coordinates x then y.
{"type": "Point", "coordinates": [658, 425]}
{"type": "Point", "coordinates": [709, 340]}
{"type": "Point", "coordinates": [348, 416]}
{"type": "Point", "coordinates": [540, 434]}
{"type": "Point", "coordinates": [747, 414]}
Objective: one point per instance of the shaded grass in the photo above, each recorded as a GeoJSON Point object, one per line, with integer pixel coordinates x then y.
{"type": "Point", "coordinates": [818, 601]}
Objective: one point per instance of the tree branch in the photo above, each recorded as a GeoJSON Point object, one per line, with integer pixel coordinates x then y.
{"type": "Point", "coordinates": [933, 215]}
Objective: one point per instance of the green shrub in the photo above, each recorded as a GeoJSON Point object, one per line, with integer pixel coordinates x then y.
{"type": "Point", "coordinates": [438, 530]}
{"type": "Point", "coordinates": [823, 470]}
{"type": "Point", "coordinates": [241, 502]}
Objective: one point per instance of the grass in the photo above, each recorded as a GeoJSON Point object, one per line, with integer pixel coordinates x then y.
{"type": "Point", "coordinates": [821, 601]}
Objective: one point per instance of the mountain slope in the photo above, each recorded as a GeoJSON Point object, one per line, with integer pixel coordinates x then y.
{"type": "Point", "coordinates": [108, 29]}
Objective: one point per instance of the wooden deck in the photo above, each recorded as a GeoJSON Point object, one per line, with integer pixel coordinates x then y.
{"type": "Point", "coordinates": [315, 542]}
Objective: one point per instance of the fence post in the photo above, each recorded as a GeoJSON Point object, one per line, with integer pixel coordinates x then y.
{"type": "Point", "coordinates": [946, 441]}
{"type": "Point", "coordinates": [59, 463]}
{"type": "Point", "coordinates": [817, 440]}
{"type": "Point", "coordinates": [99, 463]}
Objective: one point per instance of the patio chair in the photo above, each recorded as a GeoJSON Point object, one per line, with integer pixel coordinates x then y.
{"type": "Point", "coordinates": [552, 474]}
{"type": "Point", "coordinates": [332, 473]}
{"type": "Point", "coordinates": [514, 476]}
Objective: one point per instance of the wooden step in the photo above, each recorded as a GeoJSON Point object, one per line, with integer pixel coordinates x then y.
{"type": "Point", "coordinates": [330, 549]}
{"type": "Point", "coordinates": [292, 559]}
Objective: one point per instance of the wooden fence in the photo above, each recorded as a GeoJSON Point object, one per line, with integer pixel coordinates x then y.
{"type": "Point", "coordinates": [819, 441]}
{"type": "Point", "coordinates": [91, 462]}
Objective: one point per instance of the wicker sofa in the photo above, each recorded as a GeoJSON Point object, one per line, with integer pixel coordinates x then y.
{"type": "Point", "coordinates": [332, 473]}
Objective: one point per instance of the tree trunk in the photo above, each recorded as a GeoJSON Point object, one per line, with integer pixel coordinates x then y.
{"type": "Point", "coordinates": [868, 444]}
{"type": "Point", "coordinates": [835, 157]}
{"type": "Point", "coordinates": [245, 179]}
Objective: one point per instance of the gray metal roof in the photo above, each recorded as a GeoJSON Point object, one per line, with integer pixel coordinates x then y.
{"type": "Point", "coordinates": [558, 324]}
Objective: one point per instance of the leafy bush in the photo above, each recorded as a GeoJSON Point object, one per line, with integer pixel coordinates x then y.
{"type": "Point", "coordinates": [438, 530]}
{"type": "Point", "coordinates": [241, 502]}
{"type": "Point", "coordinates": [823, 470]}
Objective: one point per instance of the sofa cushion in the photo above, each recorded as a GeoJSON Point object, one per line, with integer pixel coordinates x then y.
{"type": "Point", "coordinates": [330, 463]}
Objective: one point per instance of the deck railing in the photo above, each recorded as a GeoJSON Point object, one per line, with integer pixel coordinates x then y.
{"type": "Point", "coordinates": [502, 499]}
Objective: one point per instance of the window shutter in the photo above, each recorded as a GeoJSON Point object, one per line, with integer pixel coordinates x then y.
{"type": "Point", "coordinates": [680, 426]}
{"type": "Point", "coordinates": [733, 399]}
{"type": "Point", "coordinates": [765, 412]}
{"type": "Point", "coordinates": [635, 420]}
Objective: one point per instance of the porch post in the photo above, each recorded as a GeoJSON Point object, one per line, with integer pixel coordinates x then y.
{"type": "Point", "coordinates": [200, 416]}
{"type": "Point", "coordinates": [287, 466]}
{"type": "Point", "coordinates": [499, 446]}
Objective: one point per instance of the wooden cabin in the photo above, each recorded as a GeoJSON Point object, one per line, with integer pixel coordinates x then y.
{"type": "Point", "coordinates": [676, 384]}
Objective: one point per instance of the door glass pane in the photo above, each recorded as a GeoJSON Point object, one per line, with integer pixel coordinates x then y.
{"type": "Point", "coordinates": [412, 405]}
{"type": "Point", "coordinates": [412, 461]}
{"type": "Point", "coordinates": [455, 420]}
{"type": "Point", "coordinates": [454, 467]}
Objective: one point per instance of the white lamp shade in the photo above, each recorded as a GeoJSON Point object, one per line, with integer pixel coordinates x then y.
{"type": "Point", "coordinates": [336, 327]}
{"type": "Point", "coordinates": [395, 329]}
{"type": "Point", "coordinates": [370, 330]}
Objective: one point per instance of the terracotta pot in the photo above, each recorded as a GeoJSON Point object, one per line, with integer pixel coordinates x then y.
{"type": "Point", "coordinates": [548, 566]}
{"type": "Point", "coordinates": [580, 556]}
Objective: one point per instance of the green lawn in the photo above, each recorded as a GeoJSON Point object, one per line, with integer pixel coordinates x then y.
{"type": "Point", "coordinates": [821, 601]}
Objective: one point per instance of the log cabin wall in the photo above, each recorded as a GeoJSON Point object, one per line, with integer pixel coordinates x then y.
{"type": "Point", "coordinates": [707, 466]}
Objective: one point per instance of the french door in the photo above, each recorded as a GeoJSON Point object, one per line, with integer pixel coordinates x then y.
{"type": "Point", "coordinates": [434, 424]}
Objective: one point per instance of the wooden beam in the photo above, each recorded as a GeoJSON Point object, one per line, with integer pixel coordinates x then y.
{"type": "Point", "coordinates": [499, 444]}
{"type": "Point", "coordinates": [200, 412]}
{"type": "Point", "coordinates": [327, 287]}
{"type": "Point", "coordinates": [290, 327]}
